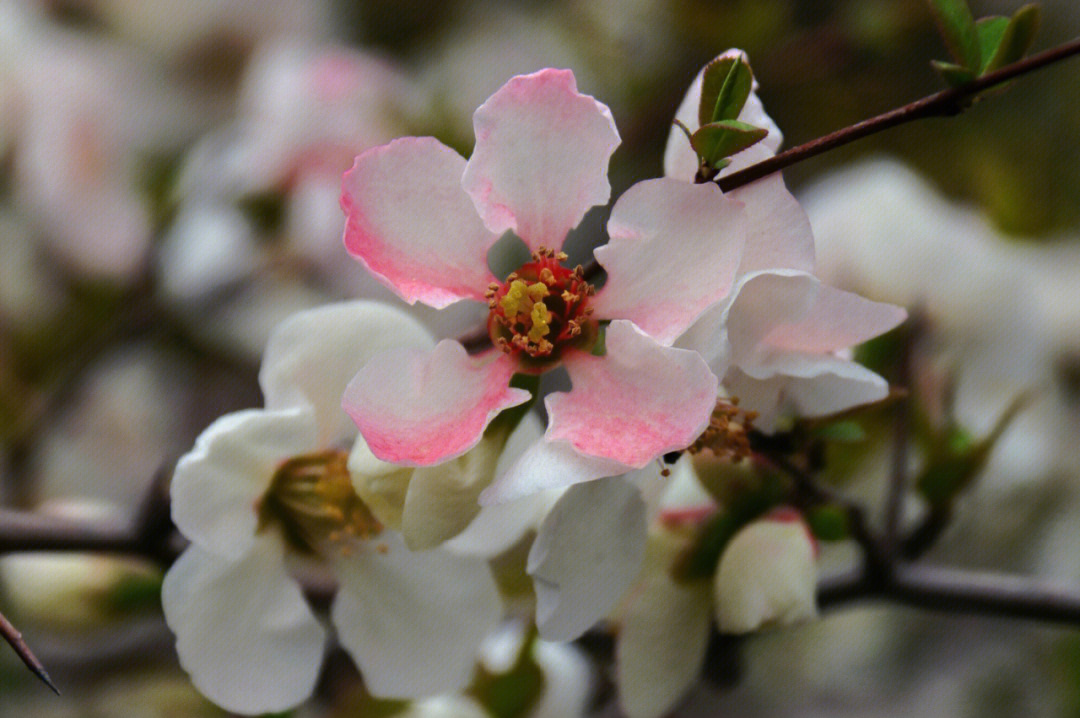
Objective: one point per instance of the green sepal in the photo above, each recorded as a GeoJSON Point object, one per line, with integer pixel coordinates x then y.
{"type": "Point", "coordinates": [1015, 40]}
{"type": "Point", "coordinates": [599, 347]}
{"type": "Point", "coordinates": [718, 140]}
{"type": "Point", "coordinates": [514, 693]}
{"type": "Point", "coordinates": [847, 431]}
{"type": "Point", "coordinates": [828, 522]}
{"type": "Point", "coordinates": [958, 29]}
{"type": "Point", "coordinates": [725, 86]}
{"type": "Point", "coordinates": [956, 459]}
{"type": "Point", "coordinates": [954, 75]}
{"type": "Point", "coordinates": [699, 560]}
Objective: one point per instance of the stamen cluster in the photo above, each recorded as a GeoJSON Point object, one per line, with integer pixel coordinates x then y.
{"type": "Point", "coordinates": [726, 437]}
{"type": "Point", "coordinates": [313, 500]}
{"type": "Point", "coordinates": [540, 308]}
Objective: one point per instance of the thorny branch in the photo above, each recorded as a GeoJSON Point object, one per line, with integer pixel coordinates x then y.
{"type": "Point", "coordinates": [15, 640]}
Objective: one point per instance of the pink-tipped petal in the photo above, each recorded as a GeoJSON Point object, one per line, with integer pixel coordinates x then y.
{"type": "Point", "coordinates": [639, 401]}
{"type": "Point", "coordinates": [411, 226]}
{"type": "Point", "coordinates": [673, 252]}
{"type": "Point", "coordinates": [760, 302]}
{"type": "Point", "coordinates": [807, 384]}
{"type": "Point", "coordinates": [680, 160]}
{"type": "Point", "coordinates": [778, 230]}
{"type": "Point", "coordinates": [836, 320]}
{"type": "Point", "coordinates": [541, 157]}
{"type": "Point", "coordinates": [420, 408]}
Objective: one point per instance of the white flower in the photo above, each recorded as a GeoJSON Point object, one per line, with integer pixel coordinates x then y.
{"type": "Point", "coordinates": [264, 488]}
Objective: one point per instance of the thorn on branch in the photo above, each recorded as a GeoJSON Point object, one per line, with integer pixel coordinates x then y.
{"type": "Point", "coordinates": [15, 640]}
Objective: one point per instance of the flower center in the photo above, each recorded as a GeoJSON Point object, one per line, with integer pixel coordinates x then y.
{"type": "Point", "coordinates": [312, 499]}
{"type": "Point", "coordinates": [540, 309]}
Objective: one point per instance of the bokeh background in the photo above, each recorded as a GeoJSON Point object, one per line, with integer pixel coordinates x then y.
{"type": "Point", "coordinates": [168, 191]}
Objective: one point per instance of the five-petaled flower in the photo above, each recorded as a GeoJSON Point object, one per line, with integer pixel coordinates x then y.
{"type": "Point", "coordinates": [422, 220]}
{"type": "Point", "coordinates": [265, 491]}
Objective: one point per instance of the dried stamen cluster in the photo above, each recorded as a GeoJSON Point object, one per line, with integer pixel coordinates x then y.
{"type": "Point", "coordinates": [726, 437]}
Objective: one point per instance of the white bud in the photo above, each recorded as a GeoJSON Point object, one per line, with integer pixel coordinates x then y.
{"type": "Point", "coordinates": [767, 575]}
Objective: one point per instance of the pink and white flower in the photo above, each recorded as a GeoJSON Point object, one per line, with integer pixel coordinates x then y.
{"type": "Point", "coordinates": [265, 491]}
{"type": "Point", "coordinates": [421, 219]}
{"type": "Point", "coordinates": [779, 340]}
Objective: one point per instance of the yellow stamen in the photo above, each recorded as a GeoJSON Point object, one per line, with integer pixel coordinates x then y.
{"type": "Point", "coordinates": [540, 317]}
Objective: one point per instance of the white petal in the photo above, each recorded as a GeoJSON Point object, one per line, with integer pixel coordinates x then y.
{"type": "Point", "coordinates": [663, 291]}
{"type": "Point", "coordinates": [541, 157]}
{"type": "Point", "coordinates": [313, 354]}
{"type": "Point", "coordinates": [663, 637]}
{"type": "Point", "coordinates": [567, 681]}
{"type": "Point", "coordinates": [767, 575]}
{"type": "Point", "coordinates": [587, 552]}
{"type": "Point", "coordinates": [413, 621]}
{"type": "Point", "coordinates": [243, 630]}
{"type": "Point", "coordinates": [762, 301]}
{"type": "Point", "coordinates": [779, 235]}
{"type": "Point", "coordinates": [548, 465]}
{"type": "Point", "coordinates": [497, 528]}
{"type": "Point", "coordinates": [217, 484]}
{"type": "Point", "coordinates": [809, 384]}
{"type": "Point", "coordinates": [379, 484]}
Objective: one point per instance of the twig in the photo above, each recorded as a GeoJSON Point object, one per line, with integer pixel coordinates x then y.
{"type": "Point", "coordinates": [15, 640]}
{"type": "Point", "coordinates": [958, 591]}
{"type": "Point", "coordinates": [151, 534]}
{"type": "Point", "coordinates": [946, 103]}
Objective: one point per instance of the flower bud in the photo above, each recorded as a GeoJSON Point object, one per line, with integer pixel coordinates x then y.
{"type": "Point", "coordinates": [767, 575]}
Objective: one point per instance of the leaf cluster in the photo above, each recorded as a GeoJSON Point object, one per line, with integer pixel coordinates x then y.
{"type": "Point", "coordinates": [981, 46]}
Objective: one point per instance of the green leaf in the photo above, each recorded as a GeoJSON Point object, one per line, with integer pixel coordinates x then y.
{"type": "Point", "coordinates": [990, 31]}
{"type": "Point", "coordinates": [954, 75]}
{"type": "Point", "coordinates": [956, 460]}
{"type": "Point", "coordinates": [1015, 39]}
{"type": "Point", "coordinates": [957, 28]}
{"type": "Point", "coordinates": [717, 140]}
{"type": "Point", "coordinates": [724, 88]}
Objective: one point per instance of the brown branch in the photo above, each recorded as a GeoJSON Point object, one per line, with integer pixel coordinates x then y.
{"type": "Point", "coordinates": [150, 535]}
{"type": "Point", "coordinates": [946, 103]}
{"type": "Point", "coordinates": [958, 591]}
{"type": "Point", "coordinates": [15, 640]}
